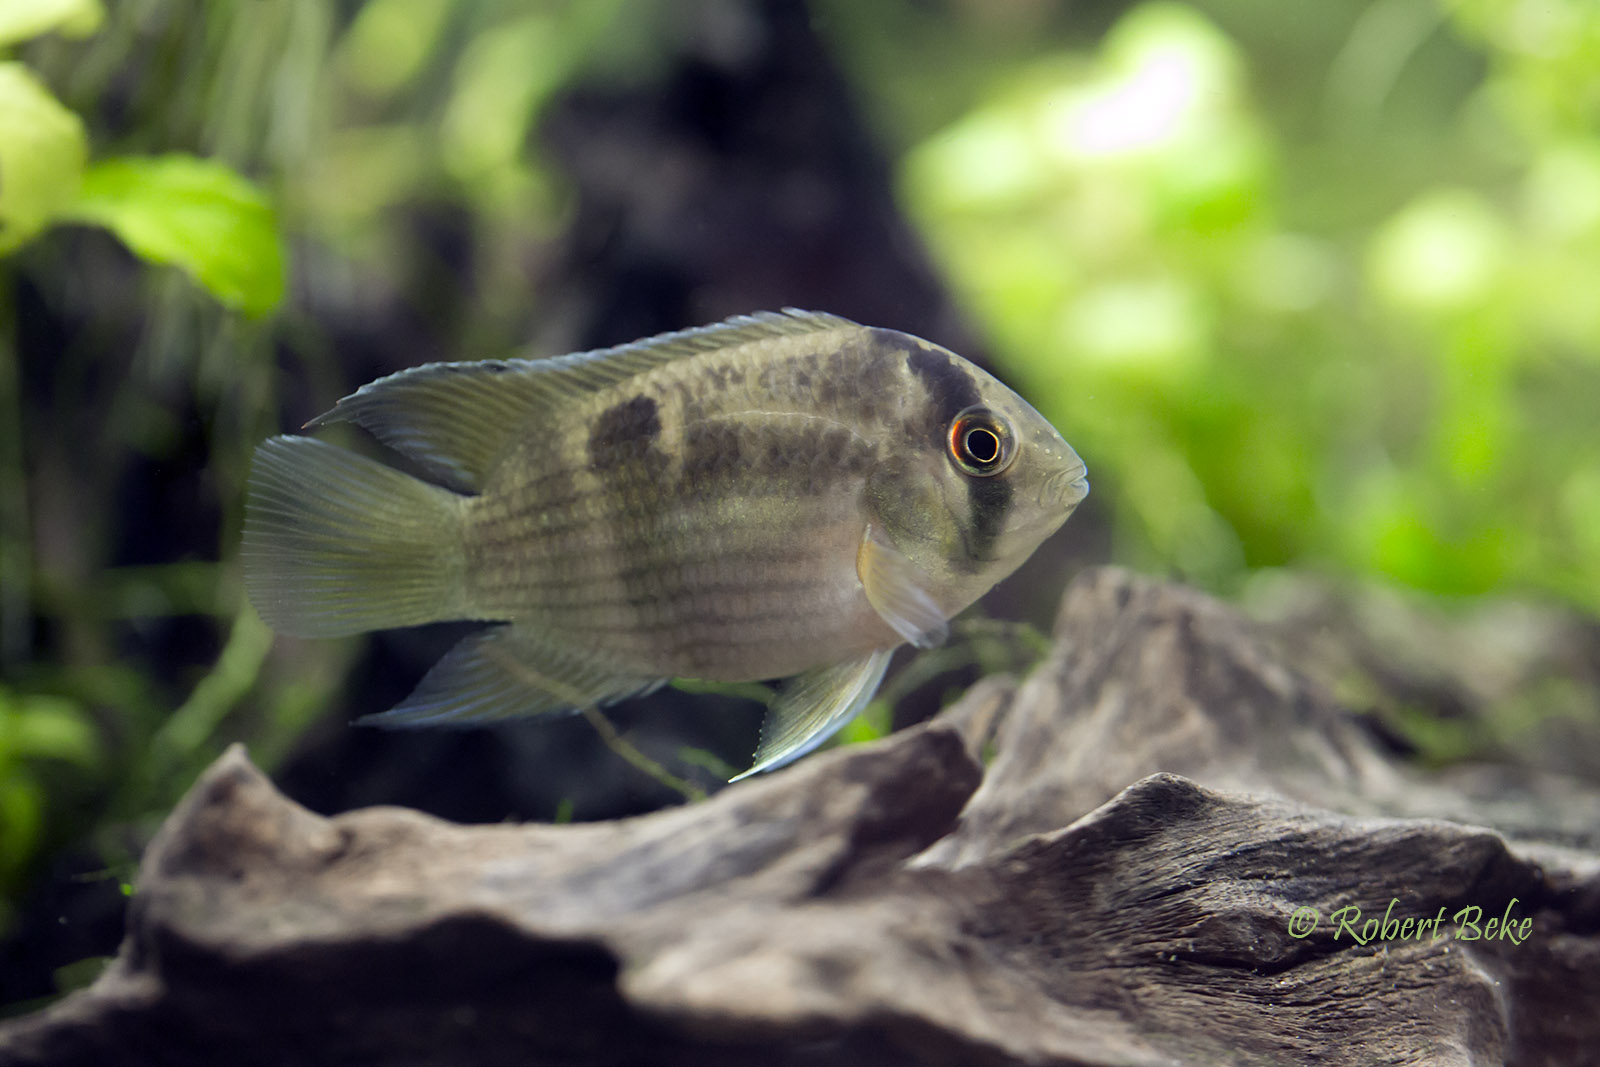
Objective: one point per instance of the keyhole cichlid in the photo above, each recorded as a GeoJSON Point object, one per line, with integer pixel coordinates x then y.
{"type": "Point", "coordinates": [781, 495]}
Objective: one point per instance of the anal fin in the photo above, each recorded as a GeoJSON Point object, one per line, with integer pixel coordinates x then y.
{"type": "Point", "coordinates": [813, 706]}
{"type": "Point", "coordinates": [507, 672]}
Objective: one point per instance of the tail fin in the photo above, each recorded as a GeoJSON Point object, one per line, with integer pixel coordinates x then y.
{"type": "Point", "coordinates": [335, 543]}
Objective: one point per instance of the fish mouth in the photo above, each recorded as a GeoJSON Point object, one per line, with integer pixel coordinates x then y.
{"type": "Point", "coordinates": [1066, 488]}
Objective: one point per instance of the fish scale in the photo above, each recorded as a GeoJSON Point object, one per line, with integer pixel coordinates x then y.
{"type": "Point", "coordinates": [779, 495]}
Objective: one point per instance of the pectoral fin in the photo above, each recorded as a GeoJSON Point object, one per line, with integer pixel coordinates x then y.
{"type": "Point", "coordinates": [897, 591]}
{"type": "Point", "coordinates": [506, 672]}
{"type": "Point", "coordinates": [812, 706]}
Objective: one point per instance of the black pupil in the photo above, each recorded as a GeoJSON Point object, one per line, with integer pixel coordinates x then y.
{"type": "Point", "coordinates": [983, 445]}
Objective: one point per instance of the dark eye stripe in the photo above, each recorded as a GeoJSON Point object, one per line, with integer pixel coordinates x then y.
{"type": "Point", "coordinates": [988, 501]}
{"type": "Point", "coordinates": [950, 388]}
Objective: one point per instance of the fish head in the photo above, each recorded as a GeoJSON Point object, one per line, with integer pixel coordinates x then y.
{"type": "Point", "coordinates": [1008, 480]}
{"type": "Point", "coordinates": [983, 485]}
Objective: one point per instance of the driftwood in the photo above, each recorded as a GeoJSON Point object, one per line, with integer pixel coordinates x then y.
{"type": "Point", "coordinates": [1137, 855]}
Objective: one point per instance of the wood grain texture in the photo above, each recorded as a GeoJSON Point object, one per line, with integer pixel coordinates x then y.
{"type": "Point", "coordinates": [1115, 887]}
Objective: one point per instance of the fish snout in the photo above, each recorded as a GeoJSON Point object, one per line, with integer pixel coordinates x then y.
{"type": "Point", "coordinates": [1067, 487]}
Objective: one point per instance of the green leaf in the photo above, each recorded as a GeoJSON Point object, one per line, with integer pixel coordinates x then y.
{"type": "Point", "coordinates": [80, 974]}
{"type": "Point", "coordinates": [21, 816]}
{"type": "Point", "coordinates": [42, 152]}
{"type": "Point", "coordinates": [52, 728]}
{"type": "Point", "coordinates": [871, 725]}
{"type": "Point", "coordinates": [21, 19]}
{"type": "Point", "coordinates": [194, 214]}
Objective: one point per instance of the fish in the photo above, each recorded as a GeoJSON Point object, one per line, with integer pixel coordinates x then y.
{"type": "Point", "coordinates": [780, 496]}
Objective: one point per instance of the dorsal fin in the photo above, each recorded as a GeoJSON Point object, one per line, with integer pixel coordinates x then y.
{"type": "Point", "coordinates": [456, 419]}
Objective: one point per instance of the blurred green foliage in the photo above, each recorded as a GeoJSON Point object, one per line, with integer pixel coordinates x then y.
{"type": "Point", "coordinates": [42, 151]}
{"type": "Point", "coordinates": [1347, 321]}
{"type": "Point", "coordinates": [191, 213]}
{"type": "Point", "coordinates": [48, 749]}
{"type": "Point", "coordinates": [194, 214]}
{"type": "Point", "coordinates": [178, 210]}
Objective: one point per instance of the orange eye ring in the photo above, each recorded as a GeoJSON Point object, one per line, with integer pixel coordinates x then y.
{"type": "Point", "coordinates": [980, 442]}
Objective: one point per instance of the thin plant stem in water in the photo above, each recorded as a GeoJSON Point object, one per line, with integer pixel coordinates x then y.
{"type": "Point", "coordinates": [628, 751]}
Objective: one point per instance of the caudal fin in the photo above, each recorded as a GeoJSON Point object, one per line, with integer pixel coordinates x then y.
{"type": "Point", "coordinates": [335, 543]}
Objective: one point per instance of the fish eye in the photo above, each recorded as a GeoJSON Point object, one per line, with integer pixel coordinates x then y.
{"type": "Point", "coordinates": [980, 442]}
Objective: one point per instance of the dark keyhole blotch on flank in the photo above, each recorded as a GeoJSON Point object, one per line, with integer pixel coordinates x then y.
{"type": "Point", "coordinates": [623, 432]}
